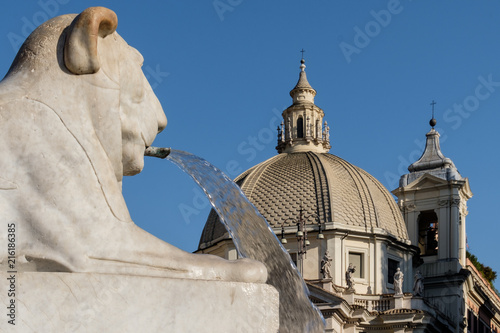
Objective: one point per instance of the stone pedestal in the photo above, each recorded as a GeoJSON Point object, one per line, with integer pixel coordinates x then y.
{"type": "Point", "coordinates": [399, 301]}
{"type": "Point", "coordinates": [348, 296]}
{"type": "Point", "coordinates": [75, 302]}
{"type": "Point", "coordinates": [327, 284]}
{"type": "Point", "coordinates": [417, 303]}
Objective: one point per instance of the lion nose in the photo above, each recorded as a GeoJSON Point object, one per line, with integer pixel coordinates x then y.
{"type": "Point", "coordinates": [161, 118]}
{"type": "Point", "coordinates": [162, 122]}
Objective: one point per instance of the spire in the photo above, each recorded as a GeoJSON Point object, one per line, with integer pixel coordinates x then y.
{"type": "Point", "coordinates": [432, 158]}
{"type": "Point", "coordinates": [302, 128]}
{"type": "Point", "coordinates": [303, 92]}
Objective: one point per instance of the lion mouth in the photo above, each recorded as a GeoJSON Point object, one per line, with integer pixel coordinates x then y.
{"type": "Point", "coordinates": [144, 140]}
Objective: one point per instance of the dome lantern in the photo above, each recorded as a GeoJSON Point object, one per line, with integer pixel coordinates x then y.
{"type": "Point", "coordinates": [302, 128]}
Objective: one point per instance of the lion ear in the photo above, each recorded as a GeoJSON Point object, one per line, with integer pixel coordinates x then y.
{"type": "Point", "coordinates": [80, 49]}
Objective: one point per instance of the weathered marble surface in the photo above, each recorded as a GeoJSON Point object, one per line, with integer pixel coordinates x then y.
{"type": "Point", "coordinates": [78, 302]}
{"type": "Point", "coordinates": [76, 113]}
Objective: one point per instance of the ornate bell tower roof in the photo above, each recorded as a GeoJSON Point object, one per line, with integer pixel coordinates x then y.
{"type": "Point", "coordinates": [302, 128]}
{"type": "Point", "coordinates": [432, 161]}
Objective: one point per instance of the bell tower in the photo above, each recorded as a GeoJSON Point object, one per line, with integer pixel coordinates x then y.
{"type": "Point", "coordinates": [433, 199]}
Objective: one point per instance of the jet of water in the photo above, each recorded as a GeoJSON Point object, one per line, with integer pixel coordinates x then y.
{"type": "Point", "coordinates": [254, 238]}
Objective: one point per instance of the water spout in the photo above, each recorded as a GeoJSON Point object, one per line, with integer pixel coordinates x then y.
{"type": "Point", "coordinates": [254, 239]}
{"type": "Point", "coordinates": [157, 152]}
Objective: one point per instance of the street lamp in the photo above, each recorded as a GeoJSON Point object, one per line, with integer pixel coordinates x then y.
{"type": "Point", "coordinates": [320, 232]}
{"type": "Point", "coordinates": [302, 241]}
{"type": "Point", "coordinates": [301, 235]}
{"type": "Point", "coordinates": [283, 239]}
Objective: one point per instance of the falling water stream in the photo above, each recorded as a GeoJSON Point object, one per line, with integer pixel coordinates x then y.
{"type": "Point", "coordinates": [254, 238]}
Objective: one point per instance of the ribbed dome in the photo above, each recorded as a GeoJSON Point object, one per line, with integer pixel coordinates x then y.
{"type": "Point", "coordinates": [322, 184]}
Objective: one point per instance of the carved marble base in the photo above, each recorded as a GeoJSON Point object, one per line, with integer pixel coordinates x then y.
{"type": "Point", "coordinates": [74, 302]}
{"type": "Point", "coordinates": [348, 295]}
{"type": "Point", "coordinates": [399, 301]}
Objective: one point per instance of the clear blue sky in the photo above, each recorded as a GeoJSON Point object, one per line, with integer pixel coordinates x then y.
{"type": "Point", "coordinates": [223, 70]}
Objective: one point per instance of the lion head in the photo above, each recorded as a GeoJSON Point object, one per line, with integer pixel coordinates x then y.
{"type": "Point", "coordinates": [76, 114]}
{"type": "Point", "coordinates": [80, 112]}
{"type": "Point", "coordinates": [87, 48]}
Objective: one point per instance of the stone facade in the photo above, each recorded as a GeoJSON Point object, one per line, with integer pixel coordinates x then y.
{"type": "Point", "coordinates": [311, 197]}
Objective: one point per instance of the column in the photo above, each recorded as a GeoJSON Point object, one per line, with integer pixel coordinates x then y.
{"type": "Point", "coordinates": [454, 228]}
{"type": "Point", "coordinates": [463, 240]}
{"type": "Point", "coordinates": [443, 229]}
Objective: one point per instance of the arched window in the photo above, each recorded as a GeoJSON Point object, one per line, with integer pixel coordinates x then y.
{"type": "Point", "coordinates": [428, 233]}
{"type": "Point", "coordinates": [300, 127]}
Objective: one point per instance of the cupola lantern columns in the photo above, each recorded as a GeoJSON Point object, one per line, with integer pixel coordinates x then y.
{"type": "Point", "coordinates": [302, 128]}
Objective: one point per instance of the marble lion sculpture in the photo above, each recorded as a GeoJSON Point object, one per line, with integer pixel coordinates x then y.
{"type": "Point", "coordinates": [76, 113]}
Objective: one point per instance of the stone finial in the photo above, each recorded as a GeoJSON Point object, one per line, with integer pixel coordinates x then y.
{"type": "Point", "coordinates": [433, 121]}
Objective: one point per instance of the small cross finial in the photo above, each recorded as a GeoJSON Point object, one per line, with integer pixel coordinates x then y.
{"type": "Point", "coordinates": [433, 120]}
{"type": "Point", "coordinates": [433, 103]}
{"type": "Point", "coordinates": [302, 51]}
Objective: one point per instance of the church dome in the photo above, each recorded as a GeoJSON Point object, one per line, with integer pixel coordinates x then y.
{"type": "Point", "coordinates": [322, 184]}
{"type": "Point", "coordinates": [304, 176]}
